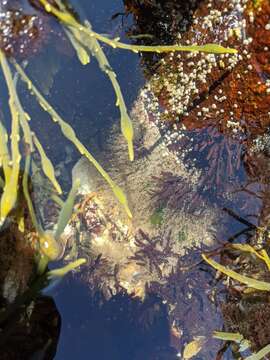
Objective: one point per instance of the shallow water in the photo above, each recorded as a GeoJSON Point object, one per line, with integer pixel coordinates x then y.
{"type": "Point", "coordinates": [92, 326]}
{"type": "Point", "coordinates": [228, 199]}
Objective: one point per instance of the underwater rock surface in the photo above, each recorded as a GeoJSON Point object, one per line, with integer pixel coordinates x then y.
{"type": "Point", "coordinates": [212, 108]}
{"type": "Point", "coordinates": [201, 150]}
{"type": "Point", "coordinates": [201, 126]}
{"type": "Point", "coordinates": [152, 252]}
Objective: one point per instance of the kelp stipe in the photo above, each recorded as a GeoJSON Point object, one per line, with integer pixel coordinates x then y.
{"type": "Point", "coordinates": [66, 210]}
{"type": "Point", "coordinates": [47, 249]}
{"type": "Point", "coordinates": [49, 242]}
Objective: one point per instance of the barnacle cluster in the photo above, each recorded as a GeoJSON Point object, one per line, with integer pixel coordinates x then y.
{"type": "Point", "coordinates": [22, 33]}
{"type": "Point", "coordinates": [211, 108]}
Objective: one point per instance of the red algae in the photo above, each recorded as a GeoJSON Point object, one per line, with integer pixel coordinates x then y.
{"type": "Point", "coordinates": [230, 92]}
{"type": "Point", "coordinates": [211, 109]}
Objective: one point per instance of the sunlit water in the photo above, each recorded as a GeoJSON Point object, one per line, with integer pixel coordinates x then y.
{"type": "Point", "coordinates": [92, 327]}
{"type": "Point", "coordinates": [123, 327]}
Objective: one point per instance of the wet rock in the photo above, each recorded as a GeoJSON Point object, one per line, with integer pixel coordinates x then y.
{"type": "Point", "coordinates": [211, 108]}
{"type": "Point", "coordinates": [33, 335]}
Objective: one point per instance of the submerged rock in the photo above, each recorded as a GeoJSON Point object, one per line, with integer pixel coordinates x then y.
{"type": "Point", "coordinates": [195, 122]}
{"type": "Point", "coordinates": [153, 252]}
{"type": "Point", "coordinates": [211, 108]}
{"type": "Point", "coordinates": [28, 326]}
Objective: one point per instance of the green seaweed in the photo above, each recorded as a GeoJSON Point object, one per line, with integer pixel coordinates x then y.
{"type": "Point", "coordinates": [182, 234]}
{"type": "Point", "coordinates": [157, 217]}
{"type": "Point", "coordinates": [260, 354]}
{"type": "Point", "coordinates": [56, 273]}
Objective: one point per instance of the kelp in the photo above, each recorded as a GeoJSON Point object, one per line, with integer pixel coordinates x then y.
{"type": "Point", "coordinates": [84, 40]}
{"type": "Point", "coordinates": [194, 347]}
{"type": "Point", "coordinates": [68, 19]}
{"type": "Point", "coordinates": [9, 195]}
{"type": "Point", "coordinates": [47, 165]}
{"type": "Point", "coordinates": [250, 282]}
{"type": "Point", "coordinates": [66, 211]}
{"type": "Point", "coordinates": [59, 273]}
{"type": "Point", "coordinates": [228, 336]}
{"type": "Point", "coordinates": [244, 344]}
{"type": "Point", "coordinates": [261, 254]}
{"type": "Point", "coordinates": [4, 152]}
{"type": "Point", "coordinates": [49, 242]}
{"type": "Point", "coordinates": [70, 134]}
{"type": "Point", "coordinates": [260, 354]}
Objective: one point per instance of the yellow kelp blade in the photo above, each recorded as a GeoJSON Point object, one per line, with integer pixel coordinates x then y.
{"type": "Point", "coordinates": [9, 196]}
{"type": "Point", "coordinates": [4, 152]}
{"type": "Point", "coordinates": [70, 134]}
{"type": "Point", "coordinates": [228, 336]}
{"type": "Point", "coordinates": [236, 337]}
{"type": "Point", "coordinates": [265, 258]}
{"type": "Point", "coordinates": [194, 347]}
{"type": "Point", "coordinates": [65, 17]}
{"type": "Point", "coordinates": [24, 118]}
{"type": "Point", "coordinates": [73, 36]}
{"type": "Point", "coordinates": [82, 54]}
{"type": "Point", "coordinates": [127, 131]}
{"type": "Point", "coordinates": [47, 165]}
{"type": "Point", "coordinates": [83, 34]}
{"type": "Point", "coordinates": [261, 254]}
{"type": "Point", "coordinates": [207, 48]}
{"type": "Point", "coordinates": [69, 20]}
{"type": "Point", "coordinates": [260, 354]}
{"type": "Point", "coordinates": [253, 283]}
{"type": "Point", "coordinates": [96, 50]}
{"type": "Point", "coordinates": [48, 246]}
{"type": "Point", "coordinates": [66, 211]}
{"type": "Point", "coordinates": [58, 273]}
{"type": "Point", "coordinates": [27, 196]}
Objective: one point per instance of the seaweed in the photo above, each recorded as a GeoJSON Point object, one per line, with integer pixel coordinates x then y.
{"type": "Point", "coordinates": [86, 42]}
{"type": "Point", "coordinates": [153, 251]}
{"type": "Point", "coordinates": [18, 144]}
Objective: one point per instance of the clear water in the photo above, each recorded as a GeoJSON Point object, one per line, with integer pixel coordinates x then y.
{"type": "Point", "coordinates": [123, 327]}
{"type": "Point", "coordinates": [92, 327]}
